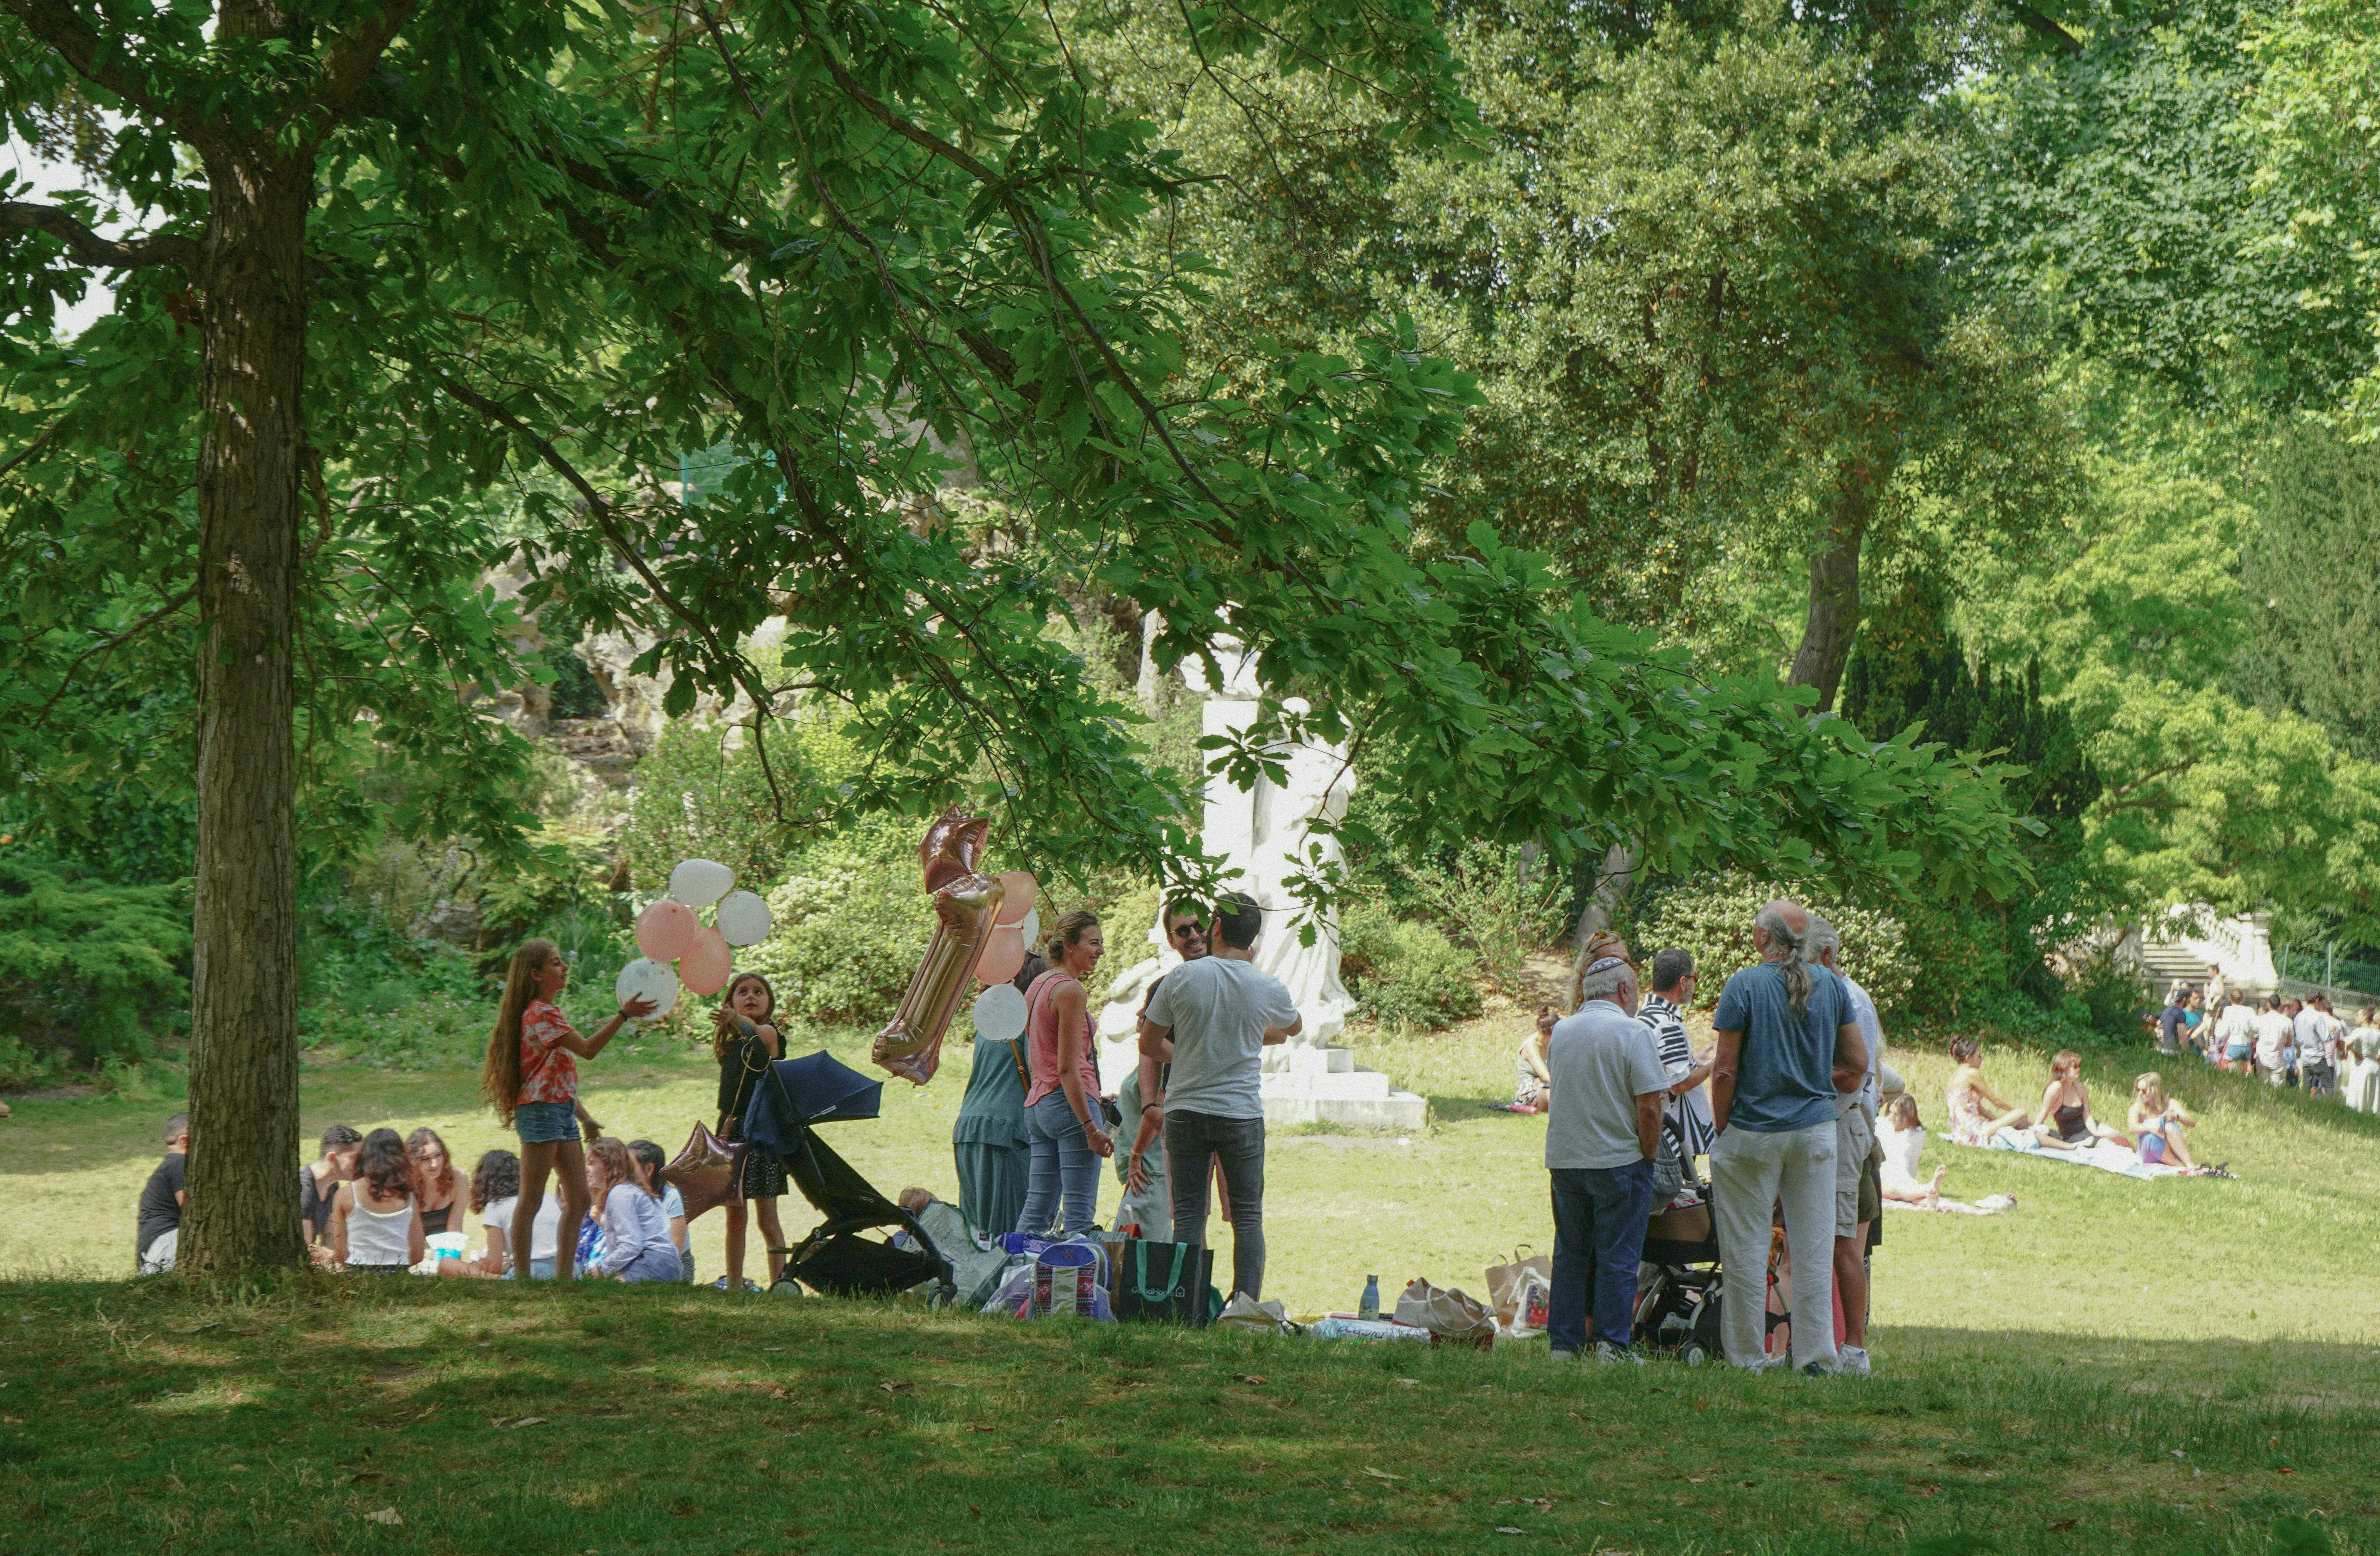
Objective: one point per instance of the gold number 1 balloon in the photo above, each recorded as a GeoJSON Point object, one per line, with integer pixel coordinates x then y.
{"type": "Point", "coordinates": [965, 903]}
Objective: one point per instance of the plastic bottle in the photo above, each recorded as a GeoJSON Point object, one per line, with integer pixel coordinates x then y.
{"type": "Point", "coordinates": [1370, 1307]}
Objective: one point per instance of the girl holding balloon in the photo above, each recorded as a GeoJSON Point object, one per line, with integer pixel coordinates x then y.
{"type": "Point", "coordinates": [746, 1043]}
{"type": "Point", "coordinates": [532, 1080]}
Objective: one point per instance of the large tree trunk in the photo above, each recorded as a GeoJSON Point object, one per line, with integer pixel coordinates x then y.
{"type": "Point", "coordinates": [1835, 612]}
{"type": "Point", "coordinates": [243, 1185]}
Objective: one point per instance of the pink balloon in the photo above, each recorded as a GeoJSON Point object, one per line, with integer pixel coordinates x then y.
{"type": "Point", "coordinates": [1020, 888]}
{"type": "Point", "coordinates": [704, 967]}
{"type": "Point", "coordinates": [666, 929]}
{"type": "Point", "coordinates": [1003, 956]}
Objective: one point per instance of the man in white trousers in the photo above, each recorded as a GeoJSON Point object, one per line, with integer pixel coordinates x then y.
{"type": "Point", "coordinates": [1787, 1043]}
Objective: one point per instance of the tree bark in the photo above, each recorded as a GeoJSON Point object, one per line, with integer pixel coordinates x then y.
{"type": "Point", "coordinates": [242, 1211]}
{"type": "Point", "coordinates": [1835, 612]}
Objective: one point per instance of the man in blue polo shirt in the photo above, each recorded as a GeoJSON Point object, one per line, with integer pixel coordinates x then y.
{"type": "Point", "coordinates": [1788, 1044]}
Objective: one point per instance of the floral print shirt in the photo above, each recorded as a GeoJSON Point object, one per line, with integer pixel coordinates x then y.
{"type": "Point", "coordinates": [549, 1074]}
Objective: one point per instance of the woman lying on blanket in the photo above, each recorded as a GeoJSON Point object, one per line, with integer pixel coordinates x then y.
{"type": "Point", "coordinates": [1903, 1139]}
{"type": "Point", "coordinates": [1977, 1112]}
{"type": "Point", "coordinates": [2159, 1121]}
{"type": "Point", "coordinates": [2065, 1113]}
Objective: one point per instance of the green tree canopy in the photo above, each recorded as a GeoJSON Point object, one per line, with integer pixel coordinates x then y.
{"type": "Point", "coordinates": [425, 287]}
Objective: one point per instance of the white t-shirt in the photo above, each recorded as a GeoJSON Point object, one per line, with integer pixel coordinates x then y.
{"type": "Point", "coordinates": [2274, 1031]}
{"type": "Point", "coordinates": [1902, 1149]}
{"type": "Point", "coordinates": [1602, 1059]}
{"type": "Point", "coordinates": [542, 1233]}
{"type": "Point", "coordinates": [2236, 1026]}
{"type": "Point", "coordinates": [1220, 1009]}
{"type": "Point", "coordinates": [1870, 1096]}
{"type": "Point", "coordinates": [2310, 1034]}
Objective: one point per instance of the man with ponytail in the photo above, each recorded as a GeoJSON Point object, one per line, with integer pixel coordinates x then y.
{"type": "Point", "coordinates": [1786, 1031]}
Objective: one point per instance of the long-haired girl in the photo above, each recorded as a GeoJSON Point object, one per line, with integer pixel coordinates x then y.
{"type": "Point", "coordinates": [376, 1226]}
{"type": "Point", "coordinates": [746, 1043]}
{"type": "Point", "coordinates": [651, 1165]}
{"type": "Point", "coordinates": [441, 1187]}
{"type": "Point", "coordinates": [636, 1244]}
{"type": "Point", "coordinates": [532, 1080]}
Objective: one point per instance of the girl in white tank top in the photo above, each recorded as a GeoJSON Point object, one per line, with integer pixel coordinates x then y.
{"type": "Point", "coordinates": [376, 1227]}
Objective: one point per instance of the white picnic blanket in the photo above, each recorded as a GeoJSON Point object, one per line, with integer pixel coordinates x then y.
{"type": "Point", "coordinates": [2106, 1155]}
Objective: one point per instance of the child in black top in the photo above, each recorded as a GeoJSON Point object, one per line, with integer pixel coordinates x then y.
{"type": "Point", "coordinates": [746, 1043]}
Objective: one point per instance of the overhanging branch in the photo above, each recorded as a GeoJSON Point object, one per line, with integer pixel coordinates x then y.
{"type": "Point", "coordinates": [104, 253]}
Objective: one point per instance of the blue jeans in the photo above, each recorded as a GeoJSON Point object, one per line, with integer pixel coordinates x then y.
{"type": "Point", "coordinates": [537, 1122]}
{"type": "Point", "coordinates": [1600, 1216]}
{"type": "Point", "coordinates": [654, 1264]}
{"type": "Point", "coordinates": [1065, 1167]}
{"type": "Point", "coordinates": [1195, 1139]}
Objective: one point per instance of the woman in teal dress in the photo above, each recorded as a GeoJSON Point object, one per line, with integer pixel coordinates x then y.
{"type": "Point", "coordinates": [995, 1154]}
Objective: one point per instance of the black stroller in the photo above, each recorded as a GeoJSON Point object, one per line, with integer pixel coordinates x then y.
{"type": "Point", "coordinates": [835, 1258]}
{"type": "Point", "coordinates": [1679, 1279]}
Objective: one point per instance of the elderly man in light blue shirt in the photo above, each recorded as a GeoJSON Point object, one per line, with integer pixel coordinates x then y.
{"type": "Point", "coordinates": [1603, 1126]}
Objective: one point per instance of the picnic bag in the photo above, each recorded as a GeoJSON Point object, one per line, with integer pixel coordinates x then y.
{"type": "Point", "coordinates": [1164, 1282]}
{"type": "Point", "coordinates": [1447, 1313]}
{"type": "Point", "coordinates": [1505, 1282]}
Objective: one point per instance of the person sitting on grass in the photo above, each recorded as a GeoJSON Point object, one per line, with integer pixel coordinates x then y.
{"type": "Point", "coordinates": [636, 1244]}
{"type": "Point", "coordinates": [442, 1189]}
{"type": "Point", "coordinates": [650, 1164]}
{"type": "Point", "coordinates": [1534, 1083]}
{"type": "Point", "coordinates": [1977, 1112]}
{"type": "Point", "coordinates": [376, 1224]}
{"type": "Point", "coordinates": [1901, 1139]}
{"type": "Point", "coordinates": [2065, 1113]}
{"type": "Point", "coordinates": [157, 1234]}
{"type": "Point", "coordinates": [318, 1185]}
{"type": "Point", "coordinates": [495, 1189]}
{"type": "Point", "coordinates": [2159, 1121]}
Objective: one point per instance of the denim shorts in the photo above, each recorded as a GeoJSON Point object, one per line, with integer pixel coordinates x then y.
{"type": "Point", "coordinates": [540, 1123]}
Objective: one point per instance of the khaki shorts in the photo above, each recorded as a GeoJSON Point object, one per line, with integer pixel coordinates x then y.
{"type": "Point", "coordinates": [1855, 1201]}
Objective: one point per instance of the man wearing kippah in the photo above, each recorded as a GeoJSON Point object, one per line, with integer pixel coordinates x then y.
{"type": "Point", "coordinates": [1603, 1128]}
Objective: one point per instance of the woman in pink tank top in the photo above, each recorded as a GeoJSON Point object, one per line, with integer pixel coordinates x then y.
{"type": "Point", "coordinates": [1062, 1105]}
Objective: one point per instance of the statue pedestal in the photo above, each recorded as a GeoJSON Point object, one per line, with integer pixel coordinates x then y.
{"type": "Point", "coordinates": [1305, 1085]}
{"type": "Point", "coordinates": [1326, 1086]}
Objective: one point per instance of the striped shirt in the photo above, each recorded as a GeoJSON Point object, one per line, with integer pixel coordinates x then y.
{"type": "Point", "coordinates": [1693, 1110]}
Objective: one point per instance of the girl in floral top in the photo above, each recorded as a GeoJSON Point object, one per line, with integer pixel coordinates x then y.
{"type": "Point", "coordinates": [532, 1080]}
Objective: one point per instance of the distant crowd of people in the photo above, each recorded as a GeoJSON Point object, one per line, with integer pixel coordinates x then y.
{"type": "Point", "coordinates": [2286, 1040]}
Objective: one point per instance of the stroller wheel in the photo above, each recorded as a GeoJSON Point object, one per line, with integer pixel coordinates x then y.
{"type": "Point", "coordinates": [786, 1286]}
{"type": "Point", "coordinates": [1691, 1354]}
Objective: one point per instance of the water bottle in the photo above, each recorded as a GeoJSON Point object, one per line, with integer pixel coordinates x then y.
{"type": "Point", "coordinates": [1370, 1307]}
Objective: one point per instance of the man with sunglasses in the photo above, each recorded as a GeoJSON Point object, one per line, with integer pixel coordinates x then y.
{"type": "Point", "coordinates": [1147, 1191]}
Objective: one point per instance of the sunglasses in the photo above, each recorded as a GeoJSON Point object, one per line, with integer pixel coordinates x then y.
{"type": "Point", "coordinates": [1184, 931]}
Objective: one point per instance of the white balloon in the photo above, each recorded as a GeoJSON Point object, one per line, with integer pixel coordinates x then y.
{"type": "Point", "coordinates": [743, 918]}
{"type": "Point", "coordinates": [700, 883]}
{"type": "Point", "coordinates": [1030, 927]}
{"type": "Point", "coordinates": [648, 980]}
{"type": "Point", "coordinates": [1000, 1013]}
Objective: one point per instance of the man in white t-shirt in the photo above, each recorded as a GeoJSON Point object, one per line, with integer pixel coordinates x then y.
{"type": "Point", "coordinates": [1220, 1013]}
{"type": "Point", "coordinates": [1603, 1129]}
{"type": "Point", "coordinates": [2274, 1032]}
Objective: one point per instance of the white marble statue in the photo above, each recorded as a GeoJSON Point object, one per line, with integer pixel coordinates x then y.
{"type": "Point", "coordinates": [1263, 835]}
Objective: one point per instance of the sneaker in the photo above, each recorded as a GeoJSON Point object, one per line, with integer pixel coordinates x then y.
{"type": "Point", "coordinates": [1610, 1355]}
{"type": "Point", "coordinates": [1850, 1361]}
{"type": "Point", "coordinates": [721, 1284]}
{"type": "Point", "coordinates": [1563, 1355]}
{"type": "Point", "coordinates": [1814, 1369]}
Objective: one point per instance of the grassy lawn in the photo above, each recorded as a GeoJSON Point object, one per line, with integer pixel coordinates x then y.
{"type": "Point", "coordinates": [2166, 1367]}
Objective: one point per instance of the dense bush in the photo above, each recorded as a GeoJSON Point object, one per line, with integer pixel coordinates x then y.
{"type": "Point", "coordinates": [1405, 973]}
{"type": "Point", "coordinates": [90, 974]}
{"type": "Point", "coordinates": [1501, 902]}
{"type": "Point", "coordinates": [1711, 917]}
{"type": "Point", "coordinates": [851, 923]}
